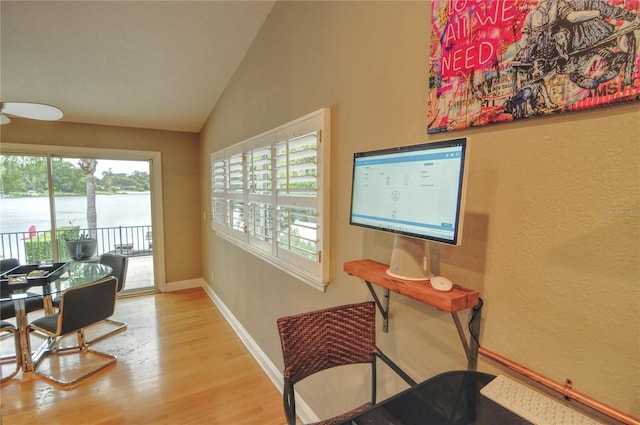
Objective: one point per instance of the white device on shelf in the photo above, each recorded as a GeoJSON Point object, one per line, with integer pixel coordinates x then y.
{"type": "Point", "coordinates": [441, 283]}
{"type": "Point", "coordinates": [531, 404]}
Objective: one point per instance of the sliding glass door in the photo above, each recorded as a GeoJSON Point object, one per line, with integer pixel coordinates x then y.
{"type": "Point", "coordinates": [96, 206]}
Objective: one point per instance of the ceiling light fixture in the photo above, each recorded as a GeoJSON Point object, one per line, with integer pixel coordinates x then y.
{"type": "Point", "coordinates": [34, 111]}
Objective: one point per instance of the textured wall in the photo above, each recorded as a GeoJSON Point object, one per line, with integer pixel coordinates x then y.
{"type": "Point", "coordinates": [552, 222]}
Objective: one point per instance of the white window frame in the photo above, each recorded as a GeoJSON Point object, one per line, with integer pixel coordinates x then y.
{"type": "Point", "coordinates": [253, 223]}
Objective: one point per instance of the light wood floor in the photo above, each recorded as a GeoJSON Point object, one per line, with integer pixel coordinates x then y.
{"type": "Point", "coordinates": [179, 362]}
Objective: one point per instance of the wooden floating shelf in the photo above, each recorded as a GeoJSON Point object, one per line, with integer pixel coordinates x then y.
{"type": "Point", "coordinates": [457, 299]}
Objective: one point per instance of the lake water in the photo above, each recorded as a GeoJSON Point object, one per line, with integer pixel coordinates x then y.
{"type": "Point", "coordinates": [18, 214]}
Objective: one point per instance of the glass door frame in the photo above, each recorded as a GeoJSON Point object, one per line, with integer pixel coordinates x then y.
{"type": "Point", "coordinates": [155, 168]}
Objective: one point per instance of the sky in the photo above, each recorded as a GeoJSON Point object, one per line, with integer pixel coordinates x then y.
{"type": "Point", "coordinates": [117, 166]}
{"type": "Point", "coordinates": [121, 166]}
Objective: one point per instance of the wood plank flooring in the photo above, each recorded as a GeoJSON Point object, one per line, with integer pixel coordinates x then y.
{"type": "Point", "coordinates": [179, 362]}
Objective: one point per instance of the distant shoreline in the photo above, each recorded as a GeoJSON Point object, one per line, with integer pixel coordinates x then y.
{"type": "Point", "coordinates": [38, 195]}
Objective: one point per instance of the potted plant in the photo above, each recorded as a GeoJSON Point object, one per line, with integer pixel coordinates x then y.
{"type": "Point", "coordinates": [79, 246]}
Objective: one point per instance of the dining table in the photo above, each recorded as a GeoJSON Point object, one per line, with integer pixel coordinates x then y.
{"type": "Point", "coordinates": [46, 281]}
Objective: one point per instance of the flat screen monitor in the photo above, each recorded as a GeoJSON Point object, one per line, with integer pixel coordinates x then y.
{"type": "Point", "coordinates": [416, 192]}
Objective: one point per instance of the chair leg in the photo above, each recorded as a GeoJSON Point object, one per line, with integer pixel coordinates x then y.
{"type": "Point", "coordinates": [17, 357]}
{"type": "Point", "coordinates": [289, 400]}
{"type": "Point", "coordinates": [119, 327]}
{"type": "Point", "coordinates": [82, 347]}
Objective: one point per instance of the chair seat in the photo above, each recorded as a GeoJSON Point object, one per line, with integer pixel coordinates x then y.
{"type": "Point", "coordinates": [48, 323]}
{"type": "Point", "coordinates": [343, 417]}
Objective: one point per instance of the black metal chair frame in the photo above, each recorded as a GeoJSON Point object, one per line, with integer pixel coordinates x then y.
{"type": "Point", "coordinates": [80, 307]}
{"type": "Point", "coordinates": [322, 339]}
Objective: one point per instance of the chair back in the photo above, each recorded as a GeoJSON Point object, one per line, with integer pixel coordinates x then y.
{"type": "Point", "coordinates": [322, 339]}
{"type": "Point", "coordinates": [7, 264]}
{"type": "Point", "coordinates": [86, 305]}
{"type": "Point", "coordinates": [119, 264]}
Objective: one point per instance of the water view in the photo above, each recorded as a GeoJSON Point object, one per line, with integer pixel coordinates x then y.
{"type": "Point", "coordinates": [123, 223]}
{"type": "Point", "coordinates": [18, 214]}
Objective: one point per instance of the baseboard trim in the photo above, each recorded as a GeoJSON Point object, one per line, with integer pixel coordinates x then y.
{"type": "Point", "coordinates": [185, 284]}
{"type": "Point", "coordinates": [302, 409]}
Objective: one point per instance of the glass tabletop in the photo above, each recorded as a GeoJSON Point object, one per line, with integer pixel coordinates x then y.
{"type": "Point", "coordinates": [78, 274]}
{"type": "Point", "coordinates": [451, 398]}
{"type": "Point", "coordinates": [69, 275]}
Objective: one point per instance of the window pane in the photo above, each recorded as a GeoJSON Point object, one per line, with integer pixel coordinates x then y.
{"type": "Point", "coordinates": [109, 201]}
{"type": "Point", "coordinates": [218, 176]}
{"type": "Point", "coordinates": [297, 170]}
{"type": "Point", "coordinates": [261, 221]}
{"type": "Point", "coordinates": [298, 231]}
{"type": "Point", "coordinates": [219, 207]}
{"type": "Point", "coordinates": [236, 173]}
{"type": "Point", "coordinates": [25, 218]}
{"type": "Point", "coordinates": [237, 215]}
{"type": "Point", "coordinates": [260, 170]}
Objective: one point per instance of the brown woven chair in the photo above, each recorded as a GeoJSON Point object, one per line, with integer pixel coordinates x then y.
{"type": "Point", "coordinates": [319, 340]}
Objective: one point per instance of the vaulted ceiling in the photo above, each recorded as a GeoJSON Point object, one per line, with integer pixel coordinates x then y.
{"type": "Point", "coordinates": [145, 64]}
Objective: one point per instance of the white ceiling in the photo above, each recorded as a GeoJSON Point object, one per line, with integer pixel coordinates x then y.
{"type": "Point", "coordinates": [146, 64]}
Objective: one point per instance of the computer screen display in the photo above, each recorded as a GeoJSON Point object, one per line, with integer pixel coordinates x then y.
{"type": "Point", "coordinates": [415, 190]}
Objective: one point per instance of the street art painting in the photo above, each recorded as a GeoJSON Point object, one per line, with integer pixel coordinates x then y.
{"type": "Point", "coordinates": [502, 60]}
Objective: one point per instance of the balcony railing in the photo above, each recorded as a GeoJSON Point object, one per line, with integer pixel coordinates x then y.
{"type": "Point", "coordinates": [35, 246]}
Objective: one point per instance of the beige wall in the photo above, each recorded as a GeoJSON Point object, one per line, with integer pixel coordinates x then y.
{"type": "Point", "coordinates": [552, 225]}
{"type": "Point", "coordinates": [180, 177]}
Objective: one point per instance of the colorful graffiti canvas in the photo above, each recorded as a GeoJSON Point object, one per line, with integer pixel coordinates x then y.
{"type": "Point", "coordinates": [502, 60]}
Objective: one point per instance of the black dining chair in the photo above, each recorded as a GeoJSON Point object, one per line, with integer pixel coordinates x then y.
{"type": "Point", "coordinates": [80, 307]}
{"type": "Point", "coordinates": [7, 264]}
{"type": "Point", "coordinates": [322, 339]}
{"type": "Point", "coordinates": [7, 308]}
{"type": "Point", "coordinates": [9, 328]}
{"type": "Point", "coordinates": [119, 264]}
